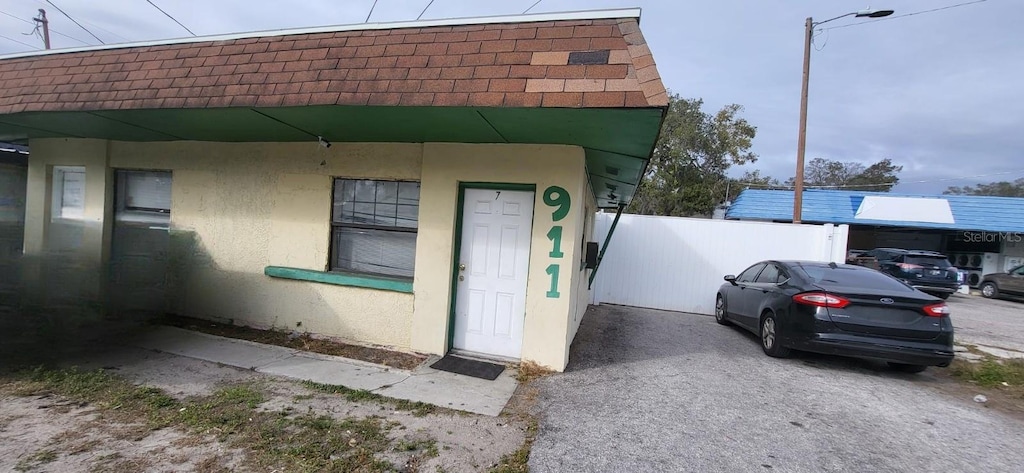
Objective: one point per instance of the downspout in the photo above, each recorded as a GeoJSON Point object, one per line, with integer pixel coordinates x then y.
{"type": "Point", "coordinates": [607, 238]}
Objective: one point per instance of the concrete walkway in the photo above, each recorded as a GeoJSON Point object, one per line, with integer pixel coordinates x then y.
{"type": "Point", "coordinates": [423, 384]}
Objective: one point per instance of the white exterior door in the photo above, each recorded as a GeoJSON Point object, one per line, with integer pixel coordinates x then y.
{"type": "Point", "coordinates": [493, 262]}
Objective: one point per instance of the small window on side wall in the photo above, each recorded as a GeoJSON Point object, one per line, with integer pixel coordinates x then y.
{"type": "Point", "coordinates": [373, 227]}
{"type": "Point", "coordinates": [68, 192]}
{"type": "Point", "coordinates": [143, 196]}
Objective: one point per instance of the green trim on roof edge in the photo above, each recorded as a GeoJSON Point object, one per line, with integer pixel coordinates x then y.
{"type": "Point", "coordinates": [618, 141]}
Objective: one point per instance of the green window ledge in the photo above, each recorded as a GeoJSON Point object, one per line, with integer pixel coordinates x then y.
{"type": "Point", "coordinates": [339, 279]}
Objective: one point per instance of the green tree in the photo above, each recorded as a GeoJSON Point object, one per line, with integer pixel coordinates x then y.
{"type": "Point", "coordinates": [829, 174]}
{"type": "Point", "coordinates": [999, 189]}
{"type": "Point", "coordinates": [752, 180]}
{"type": "Point", "coordinates": [686, 176]}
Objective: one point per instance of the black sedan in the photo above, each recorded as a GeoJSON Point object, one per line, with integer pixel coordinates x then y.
{"type": "Point", "coordinates": [837, 309]}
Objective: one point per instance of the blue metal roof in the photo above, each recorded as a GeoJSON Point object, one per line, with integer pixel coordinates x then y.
{"type": "Point", "coordinates": [975, 213]}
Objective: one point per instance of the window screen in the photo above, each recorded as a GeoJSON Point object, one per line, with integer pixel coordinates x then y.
{"type": "Point", "coordinates": [374, 226]}
{"type": "Point", "coordinates": [147, 191]}
{"type": "Point", "coordinates": [68, 192]}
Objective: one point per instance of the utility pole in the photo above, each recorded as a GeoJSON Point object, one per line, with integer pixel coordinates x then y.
{"type": "Point", "coordinates": [45, 24]}
{"type": "Point", "coordinates": [801, 143]}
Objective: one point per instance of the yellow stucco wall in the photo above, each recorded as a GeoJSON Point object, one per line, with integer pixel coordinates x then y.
{"type": "Point", "coordinates": [239, 207]}
{"type": "Point", "coordinates": [444, 166]}
{"type": "Point", "coordinates": [586, 233]}
{"type": "Point", "coordinates": [88, 235]}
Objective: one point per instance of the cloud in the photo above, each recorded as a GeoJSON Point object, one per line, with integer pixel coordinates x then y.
{"type": "Point", "coordinates": [938, 93]}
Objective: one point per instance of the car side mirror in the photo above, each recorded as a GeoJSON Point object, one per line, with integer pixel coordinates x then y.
{"type": "Point", "coordinates": [731, 278]}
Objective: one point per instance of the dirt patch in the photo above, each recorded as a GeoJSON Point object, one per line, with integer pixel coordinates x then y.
{"type": "Point", "coordinates": [521, 409]}
{"type": "Point", "coordinates": [299, 341]}
{"type": "Point", "coordinates": [117, 419]}
{"type": "Point", "coordinates": [965, 380]}
{"type": "Point", "coordinates": [42, 438]}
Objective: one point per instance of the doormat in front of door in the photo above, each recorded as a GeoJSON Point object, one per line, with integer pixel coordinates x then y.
{"type": "Point", "coordinates": [474, 368]}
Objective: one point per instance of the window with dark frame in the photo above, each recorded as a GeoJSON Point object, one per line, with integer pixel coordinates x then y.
{"type": "Point", "coordinates": [146, 191]}
{"type": "Point", "coordinates": [373, 227]}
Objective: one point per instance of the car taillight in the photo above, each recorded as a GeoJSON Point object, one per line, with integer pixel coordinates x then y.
{"type": "Point", "coordinates": [937, 310]}
{"type": "Point", "coordinates": [821, 299]}
{"type": "Point", "coordinates": [908, 266]}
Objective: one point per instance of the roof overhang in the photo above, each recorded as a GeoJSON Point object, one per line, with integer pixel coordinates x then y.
{"type": "Point", "coordinates": [579, 78]}
{"type": "Point", "coordinates": [618, 142]}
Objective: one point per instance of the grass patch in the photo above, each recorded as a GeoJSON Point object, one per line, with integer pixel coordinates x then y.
{"type": "Point", "coordinates": [529, 371]}
{"type": "Point", "coordinates": [36, 460]}
{"type": "Point", "coordinates": [276, 440]}
{"type": "Point", "coordinates": [992, 373]}
{"type": "Point", "coordinates": [428, 447]}
{"type": "Point", "coordinates": [517, 461]}
{"type": "Point", "coordinates": [418, 409]}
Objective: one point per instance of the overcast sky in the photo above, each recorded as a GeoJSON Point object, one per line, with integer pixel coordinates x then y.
{"type": "Point", "coordinates": [939, 93]}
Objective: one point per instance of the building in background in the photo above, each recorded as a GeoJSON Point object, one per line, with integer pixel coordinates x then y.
{"type": "Point", "coordinates": [979, 234]}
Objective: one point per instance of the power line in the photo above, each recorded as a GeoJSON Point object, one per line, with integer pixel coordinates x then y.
{"type": "Point", "coordinates": [531, 6]}
{"type": "Point", "coordinates": [75, 22]}
{"type": "Point", "coordinates": [907, 14]}
{"type": "Point", "coordinates": [171, 17]}
{"type": "Point", "coordinates": [368, 15]}
{"type": "Point", "coordinates": [93, 25]}
{"type": "Point", "coordinates": [425, 9]}
{"type": "Point", "coordinates": [19, 42]}
{"type": "Point", "coordinates": [886, 184]}
{"type": "Point", "coordinates": [51, 29]}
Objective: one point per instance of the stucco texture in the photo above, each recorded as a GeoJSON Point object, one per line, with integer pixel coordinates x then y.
{"type": "Point", "coordinates": [239, 207]}
{"type": "Point", "coordinates": [444, 167]}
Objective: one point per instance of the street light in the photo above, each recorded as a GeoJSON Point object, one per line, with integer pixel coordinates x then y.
{"type": "Point", "coordinates": [798, 185]}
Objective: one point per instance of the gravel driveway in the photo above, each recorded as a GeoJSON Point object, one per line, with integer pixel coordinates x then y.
{"type": "Point", "coordinates": [991, 322]}
{"type": "Point", "coordinates": [664, 391]}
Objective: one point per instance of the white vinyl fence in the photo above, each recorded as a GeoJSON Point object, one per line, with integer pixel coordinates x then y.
{"type": "Point", "coordinates": [674, 263]}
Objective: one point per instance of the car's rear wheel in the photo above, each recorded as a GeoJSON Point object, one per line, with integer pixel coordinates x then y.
{"type": "Point", "coordinates": [906, 368]}
{"type": "Point", "coordinates": [720, 311]}
{"type": "Point", "coordinates": [771, 341]}
{"type": "Point", "coordinates": [990, 290]}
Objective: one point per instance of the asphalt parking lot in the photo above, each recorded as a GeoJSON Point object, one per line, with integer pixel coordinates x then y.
{"type": "Point", "coordinates": [650, 390]}
{"type": "Point", "coordinates": [991, 322]}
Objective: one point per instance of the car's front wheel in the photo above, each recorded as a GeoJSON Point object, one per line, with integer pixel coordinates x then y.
{"type": "Point", "coordinates": [771, 341]}
{"type": "Point", "coordinates": [720, 311]}
{"type": "Point", "coordinates": [990, 290]}
{"type": "Point", "coordinates": [905, 368]}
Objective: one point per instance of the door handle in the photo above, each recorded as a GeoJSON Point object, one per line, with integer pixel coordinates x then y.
{"type": "Point", "coordinates": [462, 267]}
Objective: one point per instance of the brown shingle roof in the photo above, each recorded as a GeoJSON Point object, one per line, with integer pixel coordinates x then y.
{"type": "Point", "coordinates": [528, 64]}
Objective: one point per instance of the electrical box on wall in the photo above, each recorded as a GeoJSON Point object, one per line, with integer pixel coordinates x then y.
{"type": "Point", "coordinates": [590, 262]}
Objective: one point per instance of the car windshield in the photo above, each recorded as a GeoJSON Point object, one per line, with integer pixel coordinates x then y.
{"type": "Point", "coordinates": [928, 261]}
{"type": "Point", "coordinates": [850, 276]}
